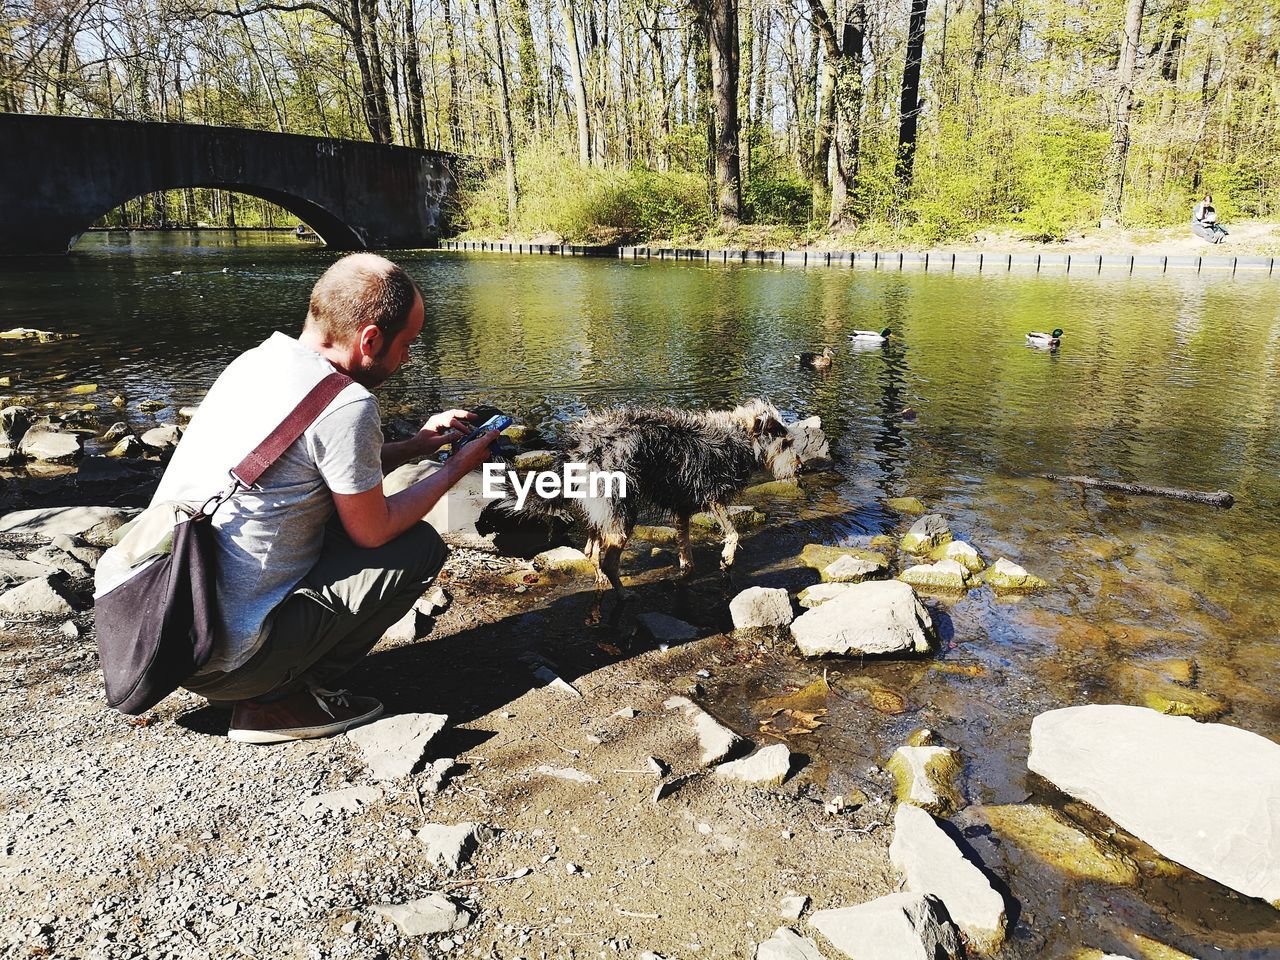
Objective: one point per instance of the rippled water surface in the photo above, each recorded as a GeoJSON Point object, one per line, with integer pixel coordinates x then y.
{"type": "Point", "coordinates": [1170, 380]}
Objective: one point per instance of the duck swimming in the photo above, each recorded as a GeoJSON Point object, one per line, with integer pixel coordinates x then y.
{"type": "Point", "coordinates": [870, 336]}
{"type": "Point", "coordinates": [817, 361]}
{"type": "Point", "coordinates": [1045, 341]}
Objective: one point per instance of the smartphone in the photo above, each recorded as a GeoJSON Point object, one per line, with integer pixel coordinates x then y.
{"type": "Point", "coordinates": [498, 422]}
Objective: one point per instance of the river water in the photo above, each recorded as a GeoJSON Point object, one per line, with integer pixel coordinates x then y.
{"type": "Point", "coordinates": [1170, 380]}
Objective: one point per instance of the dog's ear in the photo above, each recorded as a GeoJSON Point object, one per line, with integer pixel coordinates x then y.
{"type": "Point", "coordinates": [766, 424]}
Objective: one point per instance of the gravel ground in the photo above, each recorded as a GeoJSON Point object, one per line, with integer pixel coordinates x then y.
{"type": "Point", "coordinates": [158, 837]}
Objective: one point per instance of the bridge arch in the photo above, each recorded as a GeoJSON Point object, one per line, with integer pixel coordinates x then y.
{"type": "Point", "coordinates": [331, 229]}
{"type": "Point", "coordinates": [58, 175]}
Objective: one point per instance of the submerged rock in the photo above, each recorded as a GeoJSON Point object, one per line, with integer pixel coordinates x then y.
{"type": "Point", "coordinates": [926, 534]}
{"type": "Point", "coordinates": [928, 778]}
{"type": "Point", "coordinates": [855, 568]}
{"type": "Point", "coordinates": [651, 534]}
{"type": "Point", "coordinates": [930, 862]}
{"type": "Point", "coordinates": [910, 505]}
{"type": "Point", "coordinates": [945, 575]}
{"type": "Point", "coordinates": [767, 767]}
{"type": "Point", "coordinates": [775, 488]}
{"type": "Point", "coordinates": [740, 516]}
{"type": "Point", "coordinates": [901, 926]}
{"type": "Point", "coordinates": [1203, 795]}
{"type": "Point", "coordinates": [876, 617]}
{"type": "Point", "coordinates": [535, 460]}
{"type": "Point", "coordinates": [1046, 837]}
{"type": "Point", "coordinates": [1005, 576]}
{"type": "Point", "coordinates": [819, 556]}
{"type": "Point", "coordinates": [761, 607]}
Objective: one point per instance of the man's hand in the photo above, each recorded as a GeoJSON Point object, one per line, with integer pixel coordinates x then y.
{"type": "Point", "coordinates": [441, 429]}
{"type": "Point", "coordinates": [445, 428]}
{"type": "Point", "coordinates": [372, 518]}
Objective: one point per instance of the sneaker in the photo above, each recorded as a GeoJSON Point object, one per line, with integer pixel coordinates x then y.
{"type": "Point", "coordinates": [304, 715]}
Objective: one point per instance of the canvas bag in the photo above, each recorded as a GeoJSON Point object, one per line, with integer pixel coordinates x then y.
{"type": "Point", "coordinates": [156, 629]}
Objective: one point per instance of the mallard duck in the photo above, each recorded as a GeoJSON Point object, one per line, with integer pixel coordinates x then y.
{"type": "Point", "coordinates": [870, 336]}
{"type": "Point", "coordinates": [817, 361]}
{"type": "Point", "coordinates": [1045, 341]}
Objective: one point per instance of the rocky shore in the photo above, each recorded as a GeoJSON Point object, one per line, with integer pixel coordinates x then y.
{"type": "Point", "coordinates": [540, 789]}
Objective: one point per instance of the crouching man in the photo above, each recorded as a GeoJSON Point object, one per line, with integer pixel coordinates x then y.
{"type": "Point", "coordinates": [302, 594]}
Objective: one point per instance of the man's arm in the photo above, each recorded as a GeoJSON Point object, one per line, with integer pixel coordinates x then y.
{"type": "Point", "coordinates": [372, 519]}
{"type": "Point", "coordinates": [441, 429]}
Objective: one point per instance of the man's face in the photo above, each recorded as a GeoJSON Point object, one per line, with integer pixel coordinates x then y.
{"type": "Point", "coordinates": [380, 357]}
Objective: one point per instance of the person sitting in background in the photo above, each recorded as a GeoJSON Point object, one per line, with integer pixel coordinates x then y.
{"type": "Point", "coordinates": [1204, 221]}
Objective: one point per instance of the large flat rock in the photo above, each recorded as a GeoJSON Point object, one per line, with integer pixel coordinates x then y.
{"type": "Point", "coordinates": [48, 522]}
{"type": "Point", "coordinates": [901, 926]}
{"type": "Point", "coordinates": [393, 746]}
{"type": "Point", "coordinates": [1203, 794]}
{"type": "Point", "coordinates": [876, 617]}
{"type": "Point", "coordinates": [930, 862]}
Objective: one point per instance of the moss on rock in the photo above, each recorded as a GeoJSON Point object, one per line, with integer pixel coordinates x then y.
{"type": "Point", "coordinates": [1004, 576]}
{"type": "Point", "coordinates": [910, 505]}
{"type": "Point", "coordinates": [927, 777]}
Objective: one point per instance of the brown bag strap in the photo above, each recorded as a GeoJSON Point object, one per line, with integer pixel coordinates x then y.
{"type": "Point", "coordinates": [248, 470]}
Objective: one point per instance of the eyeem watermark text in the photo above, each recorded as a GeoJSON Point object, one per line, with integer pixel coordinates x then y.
{"type": "Point", "coordinates": [576, 481]}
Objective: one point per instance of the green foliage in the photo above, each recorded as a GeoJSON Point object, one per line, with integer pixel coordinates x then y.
{"type": "Point", "coordinates": [770, 197]}
{"type": "Point", "coordinates": [588, 205]}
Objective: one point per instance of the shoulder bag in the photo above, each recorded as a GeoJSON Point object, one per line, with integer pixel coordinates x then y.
{"type": "Point", "coordinates": [156, 629]}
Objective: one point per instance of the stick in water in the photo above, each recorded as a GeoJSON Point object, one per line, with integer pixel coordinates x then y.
{"type": "Point", "coordinates": [1216, 498]}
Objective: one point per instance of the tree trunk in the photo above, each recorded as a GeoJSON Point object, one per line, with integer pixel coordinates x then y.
{"type": "Point", "coordinates": [846, 150]}
{"type": "Point", "coordinates": [453, 114]}
{"type": "Point", "coordinates": [529, 96]}
{"type": "Point", "coordinates": [568, 18]}
{"type": "Point", "coordinates": [723, 47]}
{"type": "Point", "coordinates": [1118, 155]}
{"type": "Point", "coordinates": [824, 127]}
{"type": "Point", "coordinates": [504, 117]}
{"type": "Point", "coordinates": [413, 78]}
{"type": "Point", "coordinates": [909, 114]}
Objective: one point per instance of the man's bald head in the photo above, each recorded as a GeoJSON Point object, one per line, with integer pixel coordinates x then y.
{"type": "Point", "coordinates": [359, 290]}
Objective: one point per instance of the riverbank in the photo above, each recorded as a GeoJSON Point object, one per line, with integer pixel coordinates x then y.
{"type": "Point", "coordinates": [157, 836]}
{"type": "Point", "coordinates": [565, 794]}
{"type": "Point", "coordinates": [1253, 238]}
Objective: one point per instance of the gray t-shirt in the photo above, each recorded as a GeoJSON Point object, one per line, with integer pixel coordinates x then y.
{"type": "Point", "coordinates": [268, 538]}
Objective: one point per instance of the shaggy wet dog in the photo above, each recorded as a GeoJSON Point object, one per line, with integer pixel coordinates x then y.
{"type": "Point", "coordinates": [677, 461]}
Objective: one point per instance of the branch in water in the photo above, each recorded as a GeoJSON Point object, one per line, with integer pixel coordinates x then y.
{"type": "Point", "coordinates": [1216, 498]}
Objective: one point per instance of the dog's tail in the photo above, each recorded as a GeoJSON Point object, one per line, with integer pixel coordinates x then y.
{"type": "Point", "coordinates": [529, 504]}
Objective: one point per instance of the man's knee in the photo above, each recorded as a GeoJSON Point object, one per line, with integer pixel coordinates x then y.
{"type": "Point", "coordinates": [421, 552]}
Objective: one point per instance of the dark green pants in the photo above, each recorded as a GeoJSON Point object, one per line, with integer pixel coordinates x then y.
{"type": "Point", "coordinates": [334, 616]}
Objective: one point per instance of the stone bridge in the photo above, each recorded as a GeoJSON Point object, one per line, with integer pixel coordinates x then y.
{"type": "Point", "coordinates": [59, 175]}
